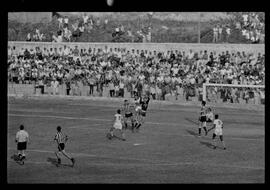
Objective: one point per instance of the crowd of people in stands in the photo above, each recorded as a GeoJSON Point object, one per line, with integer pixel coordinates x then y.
{"type": "Point", "coordinates": [138, 71]}
{"type": "Point", "coordinates": [70, 31]}
{"type": "Point", "coordinates": [37, 36]}
{"type": "Point", "coordinates": [249, 25]}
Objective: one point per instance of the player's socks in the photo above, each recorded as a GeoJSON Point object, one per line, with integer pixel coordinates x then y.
{"type": "Point", "coordinates": [205, 130]}
{"type": "Point", "coordinates": [73, 161]}
{"type": "Point", "coordinates": [59, 161]}
{"type": "Point", "coordinates": [200, 131]}
{"type": "Point", "coordinates": [138, 126]}
{"type": "Point", "coordinates": [224, 147]}
{"type": "Point", "coordinates": [126, 125]}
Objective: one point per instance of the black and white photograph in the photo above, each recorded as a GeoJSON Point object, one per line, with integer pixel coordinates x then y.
{"type": "Point", "coordinates": [135, 97]}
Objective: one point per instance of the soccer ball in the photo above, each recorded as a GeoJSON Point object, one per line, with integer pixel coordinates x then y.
{"type": "Point", "coordinates": [110, 2]}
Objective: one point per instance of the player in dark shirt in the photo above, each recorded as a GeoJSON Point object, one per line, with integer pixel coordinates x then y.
{"type": "Point", "coordinates": [141, 116]}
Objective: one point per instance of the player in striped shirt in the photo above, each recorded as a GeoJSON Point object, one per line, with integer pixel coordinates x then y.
{"type": "Point", "coordinates": [61, 140]}
{"type": "Point", "coordinates": [202, 118]}
{"type": "Point", "coordinates": [128, 115]}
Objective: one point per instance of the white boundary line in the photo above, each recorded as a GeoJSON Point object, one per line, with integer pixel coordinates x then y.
{"type": "Point", "coordinates": [151, 162]}
{"type": "Point", "coordinates": [97, 119]}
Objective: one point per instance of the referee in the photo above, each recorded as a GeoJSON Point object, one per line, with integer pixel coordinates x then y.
{"type": "Point", "coordinates": [61, 140]}
{"type": "Point", "coordinates": [22, 137]}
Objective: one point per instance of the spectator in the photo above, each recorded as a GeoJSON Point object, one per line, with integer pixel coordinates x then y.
{"type": "Point", "coordinates": [215, 34]}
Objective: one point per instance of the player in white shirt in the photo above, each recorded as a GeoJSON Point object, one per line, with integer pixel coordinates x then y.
{"type": "Point", "coordinates": [209, 116]}
{"type": "Point", "coordinates": [117, 125]}
{"type": "Point", "coordinates": [218, 126]}
{"type": "Point", "coordinates": [22, 137]}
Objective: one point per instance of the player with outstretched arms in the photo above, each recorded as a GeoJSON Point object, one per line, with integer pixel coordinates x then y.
{"type": "Point", "coordinates": [218, 126]}
{"type": "Point", "coordinates": [117, 125]}
{"type": "Point", "coordinates": [202, 118]}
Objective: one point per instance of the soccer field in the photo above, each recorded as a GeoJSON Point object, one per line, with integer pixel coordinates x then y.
{"type": "Point", "coordinates": [165, 150]}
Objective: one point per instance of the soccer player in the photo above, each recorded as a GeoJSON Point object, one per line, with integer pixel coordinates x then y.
{"type": "Point", "coordinates": [218, 126]}
{"type": "Point", "coordinates": [22, 137]}
{"type": "Point", "coordinates": [141, 117]}
{"type": "Point", "coordinates": [209, 116]}
{"type": "Point", "coordinates": [137, 101]}
{"type": "Point", "coordinates": [128, 115]}
{"type": "Point", "coordinates": [117, 124]}
{"type": "Point", "coordinates": [61, 140]}
{"type": "Point", "coordinates": [202, 118]}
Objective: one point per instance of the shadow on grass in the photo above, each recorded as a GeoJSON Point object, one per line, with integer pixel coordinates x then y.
{"type": "Point", "coordinates": [55, 162]}
{"type": "Point", "coordinates": [208, 144]}
{"type": "Point", "coordinates": [17, 159]}
{"type": "Point", "coordinates": [191, 121]}
{"type": "Point", "coordinates": [192, 133]}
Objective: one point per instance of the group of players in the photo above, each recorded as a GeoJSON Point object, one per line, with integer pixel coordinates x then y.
{"type": "Point", "coordinates": [133, 112]}
{"type": "Point", "coordinates": [207, 116]}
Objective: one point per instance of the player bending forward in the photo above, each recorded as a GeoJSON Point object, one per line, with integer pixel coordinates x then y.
{"type": "Point", "coordinates": [202, 119]}
{"type": "Point", "coordinates": [117, 124]}
{"type": "Point", "coordinates": [142, 113]}
{"type": "Point", "coordinates": [218, 126]}
{"type": "Point", "coordinates": [61, 140]}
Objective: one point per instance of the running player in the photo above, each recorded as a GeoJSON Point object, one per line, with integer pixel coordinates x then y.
{"type": "Point", "coordinates": [22, 137]}
{"type": "Point", "coordinates": [128, 115]}
{"type": "Point", "coordinates": [218, 126]}
{"type": "Point", "coordinates": [141, 117]}
{"type": "Point", "coordinates": [202, 118]}
{"type": "Point", "coordinates": [61, 140]}
{"type": "Point", "coordinates": [117, 124]}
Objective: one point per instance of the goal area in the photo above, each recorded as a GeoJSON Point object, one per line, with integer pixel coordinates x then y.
{"type": "Point", "coordinates": [234, 93]}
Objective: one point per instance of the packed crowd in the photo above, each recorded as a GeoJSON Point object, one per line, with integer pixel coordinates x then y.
{"type": "Point", "coordinates": [138, 71]}
{"type": "Point", "coordinates": [250, 25]}
{"type": "Point", "coordinates": [72, 30]}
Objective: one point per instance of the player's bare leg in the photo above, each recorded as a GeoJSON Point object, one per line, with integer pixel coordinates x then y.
{"type": "Point", "coordinates": [111, 131]}
{"type": "Point", "coordinates": [223, 143]}
{"type": "Point", "coordinates": [140, 124]}
{"type": "Point", "coordinates": [69, 157]}
{"type": "Point", "coordinates": [23, 154]}
{"type": "Point", "coordinates": [58, 158]}
{"type": "Point", "coordinates": [204, 127]}
{"type": "Point", "coordinates": [123, 135]}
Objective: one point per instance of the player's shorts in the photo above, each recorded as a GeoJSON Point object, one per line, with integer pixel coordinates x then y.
{"type": "Point", "coordinates": [143, 113]}
{"type": "Point", "coordinates": [117, 126]}
{"type": "Point", "coordinates": [61, 146]}
{"type": "Point", "coordinates": [218, 132]}
{"type": "Point", "coordinates": [21, 146]}
{"type": "Point", "coordinates": [128, 115]}
{"type": "Point", "coordinates": [202, 118]}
